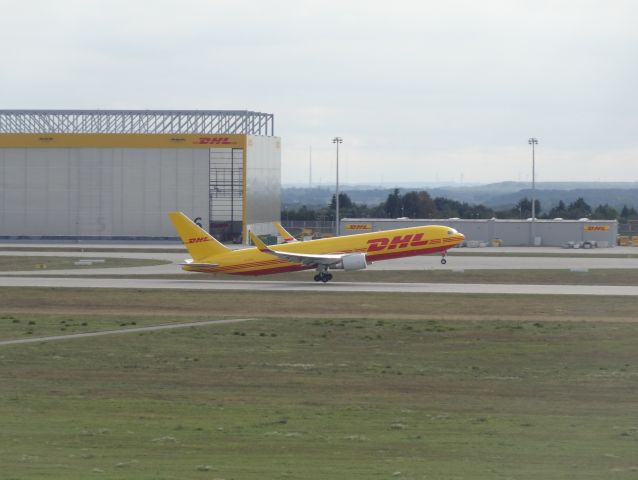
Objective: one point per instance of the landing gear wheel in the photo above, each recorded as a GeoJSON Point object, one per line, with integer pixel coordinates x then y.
{"type": "Point", "coordinates": [323, 277]}
{"type": "Point", "coordinates": [443, 261]}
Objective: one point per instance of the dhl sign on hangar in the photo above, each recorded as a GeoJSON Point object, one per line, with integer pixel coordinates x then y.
{"type": "Point", "coordinates": [117, 140]}
{"type": "Point", "coordinates": [359, 227]}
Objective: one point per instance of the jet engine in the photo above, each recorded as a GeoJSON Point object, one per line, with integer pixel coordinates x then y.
{"type": "Point", "coordinates": [352, 261]}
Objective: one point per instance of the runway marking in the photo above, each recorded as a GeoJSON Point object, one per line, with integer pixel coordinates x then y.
{"type": "Point", "coordinates": [151, 328]}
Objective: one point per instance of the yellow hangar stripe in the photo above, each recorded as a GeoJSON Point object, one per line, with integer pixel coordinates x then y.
{"type": "Point", "coordinates": [116, 140]}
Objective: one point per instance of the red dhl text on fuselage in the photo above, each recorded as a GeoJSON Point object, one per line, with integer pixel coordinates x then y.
{"type": "Point", "coordinates": [376, 245]}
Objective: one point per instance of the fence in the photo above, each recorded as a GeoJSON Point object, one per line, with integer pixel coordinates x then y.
{"type": "Point", "coordinates": [630, 228]}
{"type": "Point", "coordinates": [316, 228]}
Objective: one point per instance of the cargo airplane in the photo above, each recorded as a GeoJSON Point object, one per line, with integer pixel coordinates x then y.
{"type": "Point", "coordinates": [352, 252]}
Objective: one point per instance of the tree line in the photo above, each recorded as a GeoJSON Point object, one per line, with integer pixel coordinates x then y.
{"type": "Point", "coordinates": [421, 205]}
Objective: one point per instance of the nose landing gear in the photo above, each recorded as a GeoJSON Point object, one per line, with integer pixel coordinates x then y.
{"type": "Point", "coordinates": [443, 260]}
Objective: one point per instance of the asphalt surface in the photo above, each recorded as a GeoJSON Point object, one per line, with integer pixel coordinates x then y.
{"type": "Point", "coordinates": [465, 260]}
{"type": "Point", "coordinates": [584, 259]}
{"type": "Point", "coordinates": [310, 286]}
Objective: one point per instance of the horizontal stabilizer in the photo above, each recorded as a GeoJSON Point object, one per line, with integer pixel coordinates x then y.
{"type": "Point", "coordinates": [198, 265]}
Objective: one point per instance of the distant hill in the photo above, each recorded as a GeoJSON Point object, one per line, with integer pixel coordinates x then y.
{"type": "Point", "coordinates": [294, 197]}
{"type": "Point", "coordinates": [507, 194]}
{"type": "Point", "coordinates": [495, 195]}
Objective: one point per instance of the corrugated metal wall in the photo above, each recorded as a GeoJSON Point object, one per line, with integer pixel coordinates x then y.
{"type": "Point", "coordinates": [263, 184]}
{"type": "Point", "coordinates": [100, 191]}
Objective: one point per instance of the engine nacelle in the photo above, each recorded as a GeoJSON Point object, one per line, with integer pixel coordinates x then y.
{"type": "Point", "coordinates": [352, 261]}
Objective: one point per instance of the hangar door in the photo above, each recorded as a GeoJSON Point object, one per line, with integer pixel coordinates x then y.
{"type": "Point", "coordinates": [226, 193]}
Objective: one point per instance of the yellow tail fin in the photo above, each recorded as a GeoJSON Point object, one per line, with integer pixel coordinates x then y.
{"type": "Point", "coordinates": [199, 243]}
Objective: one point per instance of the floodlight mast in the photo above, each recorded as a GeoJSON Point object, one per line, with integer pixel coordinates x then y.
{"type": "Point", "coordinates": [533, 141]}
{"type": "Point", "coordinates": [337, 141]}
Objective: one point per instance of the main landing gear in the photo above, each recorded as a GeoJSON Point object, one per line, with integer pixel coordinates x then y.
{"type": "Point", "coordinates": [443, 260]}
{"type": "Point", "coordinates": [322, 275]}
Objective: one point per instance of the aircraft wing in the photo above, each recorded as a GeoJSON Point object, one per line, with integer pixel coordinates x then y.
{"type": "Point", "coordinates": [305, 258]}
{"type": "Point", "coordinates": [308, 258]}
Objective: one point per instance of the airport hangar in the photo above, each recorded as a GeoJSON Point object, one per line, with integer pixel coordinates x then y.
{"type": "Point", "coordinates": [510, 233]}
{"type": "Point", "coordinates": [108, 175]}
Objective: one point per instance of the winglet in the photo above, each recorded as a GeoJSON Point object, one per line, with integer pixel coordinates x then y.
{"type": "Point", "coordinates": [258, 243]}
{"type": "Point", "coordinates": [284, 233]}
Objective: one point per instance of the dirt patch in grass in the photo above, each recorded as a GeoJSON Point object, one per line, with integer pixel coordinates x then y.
{"type": "Point", "coordinates": [352, 304]}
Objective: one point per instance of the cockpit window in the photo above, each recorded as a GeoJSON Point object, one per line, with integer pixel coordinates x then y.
{"type": "Point", "coordinates": [451, 231]}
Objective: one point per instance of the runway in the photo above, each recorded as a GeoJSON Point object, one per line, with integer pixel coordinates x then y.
{"type": "Point", "coordinates": [465, 260]}
{"type": "Point", "coordinates": [309, 286]}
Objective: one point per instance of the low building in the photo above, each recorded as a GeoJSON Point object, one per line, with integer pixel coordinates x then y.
{"type": "Point", "coordinates": [551, 233]}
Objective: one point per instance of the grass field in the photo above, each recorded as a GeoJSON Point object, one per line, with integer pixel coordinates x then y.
{"type": "Point", "coordinates": [26, 263]}
{"type": "Point", "coordinates": [321, 386]}
{"type": "Point", "coordinates": [104, 249]}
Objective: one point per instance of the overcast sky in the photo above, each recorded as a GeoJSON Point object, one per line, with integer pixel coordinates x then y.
{"type": "Point", "coordinates": [420, 91]}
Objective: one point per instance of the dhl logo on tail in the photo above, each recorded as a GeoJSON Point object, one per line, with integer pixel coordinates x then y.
{"type": "Point", "coordinates": [198, 240]}
{"type": "Point", "coordinates": [351, 252]}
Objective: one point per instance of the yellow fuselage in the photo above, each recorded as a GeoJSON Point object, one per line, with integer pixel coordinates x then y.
{"type": "Point", "coordinates": [384, 245]}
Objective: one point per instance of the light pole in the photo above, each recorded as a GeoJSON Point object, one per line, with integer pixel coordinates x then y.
{"type": "Point", "coordinates": [337, 141]}
{"type": "Point", "coordinates": [533, 141]}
